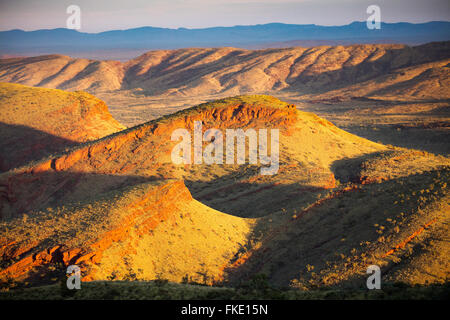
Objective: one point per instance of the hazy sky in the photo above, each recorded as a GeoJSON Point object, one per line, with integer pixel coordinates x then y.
{"type": "Point", "coordinates": [101, 15]}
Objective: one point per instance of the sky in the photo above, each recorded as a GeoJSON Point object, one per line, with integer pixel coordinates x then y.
{"type": "Point", "coordinates": [103, 15]}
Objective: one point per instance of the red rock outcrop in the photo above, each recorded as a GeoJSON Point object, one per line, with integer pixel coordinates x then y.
{"type": "Point", "coordinates": [144, 215]}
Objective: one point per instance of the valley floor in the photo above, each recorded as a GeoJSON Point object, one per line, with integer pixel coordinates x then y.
{"type": "Point", "coordinates": [255, 289]}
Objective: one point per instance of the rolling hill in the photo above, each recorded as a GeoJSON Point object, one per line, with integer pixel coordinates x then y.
{"type": "Point", "coordinates": [120, 208]}
{"type": "Point", "coordinates": [35, 122]}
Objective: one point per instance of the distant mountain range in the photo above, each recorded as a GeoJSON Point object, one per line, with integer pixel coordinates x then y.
{"type": "Point", "coordinates": [132, 41]}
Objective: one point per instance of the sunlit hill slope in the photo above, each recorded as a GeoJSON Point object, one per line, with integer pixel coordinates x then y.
{"type": "Point", "coordinates": [384, 70]}
{"type": "Point", "coordinates": [35, 122]}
